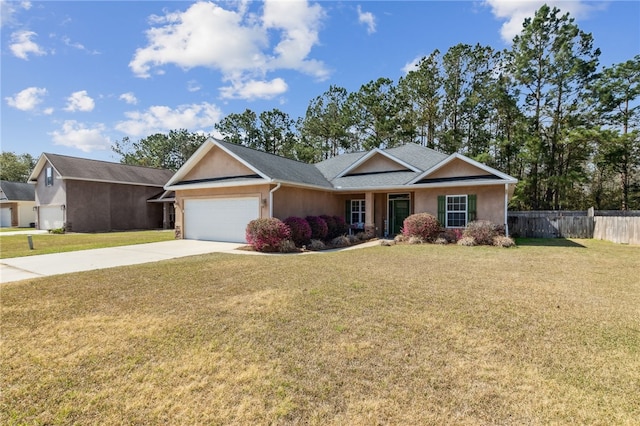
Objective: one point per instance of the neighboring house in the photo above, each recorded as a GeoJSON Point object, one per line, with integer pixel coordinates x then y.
{"type": "Point", "coordinates": [17, 201]}
{"type": "Point", "coordinates": [84, 195]}
{"type": "Point", "coordinates": [223, 186]}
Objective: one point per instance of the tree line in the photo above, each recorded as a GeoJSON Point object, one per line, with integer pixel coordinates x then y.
{"type": "Point", "coordinates": [542, 111]}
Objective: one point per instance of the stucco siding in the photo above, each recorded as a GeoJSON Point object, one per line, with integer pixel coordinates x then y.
{"type": "Point", "coordinates": [457, 168]}
{"type": "Point", "coordinates": [377, 163]}
{"type": "Point", "coordinates": [217, 163]}
{"type": "Point", "coordinates": [97, 206]}
{"type": "Point", "coordinates": [490, 201]}
{"type": "Point", "coordinates": [301, 202]}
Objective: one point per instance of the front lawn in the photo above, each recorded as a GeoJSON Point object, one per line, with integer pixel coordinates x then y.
{"type": "Point", "coordinates": [409, 334]}
{"type": "Point", "coordinates": [18, 245]}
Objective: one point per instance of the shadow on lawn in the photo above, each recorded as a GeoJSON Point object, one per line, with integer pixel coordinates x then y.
{"type": "Point", "coordinates": [548, 242]}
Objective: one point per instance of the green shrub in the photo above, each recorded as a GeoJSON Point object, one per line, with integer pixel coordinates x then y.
{"type": "Point", "coordinates": [266, 235]}
{"type": "Point", "coordinates": [482, 231]}
{"type": "Point", "coordinates": [287, 246]}
{"type": "Point", "coordinates": [423, 225]}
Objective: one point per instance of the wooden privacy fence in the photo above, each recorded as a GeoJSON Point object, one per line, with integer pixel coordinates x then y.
{"type": "Point", "coordinates": [616, 226]}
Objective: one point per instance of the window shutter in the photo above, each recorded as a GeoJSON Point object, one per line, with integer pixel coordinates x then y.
{"type": "Point", "coordinates": [347, 212]}
{"type": "Point", "coordinates": [442, 211]}
{"type": "Point", "coordinates": [471, 207]}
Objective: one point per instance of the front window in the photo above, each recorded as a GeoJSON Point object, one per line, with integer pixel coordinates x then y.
{"type": "Point", "coordinates": [357, 213]}
{"type": "Point", "coordinates": [456, 211]}
{"type": "Point", "coordinates": [48, 181]}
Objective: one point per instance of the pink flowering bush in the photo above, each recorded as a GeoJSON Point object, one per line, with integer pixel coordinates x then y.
{"type": "Point", "coordinates": [267, 235]}
{"type": "Point", "coordinates": [342, 228]}
{"type": "Point", "coordinates": [300, 230]}
{"type": "Point", "coordinates": [423, 225]}
{"type": "Point", "coordinates": [318, 226]}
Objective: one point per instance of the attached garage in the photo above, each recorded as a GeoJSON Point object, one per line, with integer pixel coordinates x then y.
{"type": "Point", "coordinates": [5, 217]}
{"type": "Point", "coordinates": [219, 219]}
{"type": "Point", "coordinates": [50, 217]}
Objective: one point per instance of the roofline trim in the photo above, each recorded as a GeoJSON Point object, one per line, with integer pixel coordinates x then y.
{"type": "Point", "coordinates": [372, 153]}
{"type": "Point", "coordinates": [466, 159]}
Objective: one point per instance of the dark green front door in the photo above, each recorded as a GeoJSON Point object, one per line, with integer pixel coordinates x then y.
{"type": "Point", "coordinates": [398, 212]}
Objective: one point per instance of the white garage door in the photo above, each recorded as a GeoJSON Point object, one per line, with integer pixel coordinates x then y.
{"type": "Point", "coordinates": [219, 219]}
{"type": "Point", "coordinates": [5, 217]}
{"type": "Point", "coordinates": [50, 217]}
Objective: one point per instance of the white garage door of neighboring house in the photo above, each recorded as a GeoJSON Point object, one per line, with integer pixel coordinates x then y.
{"type": "Point", "coordinates": [219, 219]}
{"type": "Point", "coordinates": [5, 217]}
{"type": "Point", "coordinates": [50, 217]}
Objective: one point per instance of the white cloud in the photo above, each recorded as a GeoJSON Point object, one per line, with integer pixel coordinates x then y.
{"type": "Point", "coordinates": [66, 40]}
{"type": "Point", "coordinates": [254, 89]}
{"type": "Point", "coordinates": [80, 101]}
{"type": "Point", "coordinates": [22, 45]}
{"type": "Point", "coordinates": [129, 98]}
{"type": "Point", "coordinates": [158, 119]}
{"type": "Point", "coordinates": [515, 12]}
{"type": "Point", "coordinates": [77, 135]}
{"type": "Point", "coordinates": [28, 99]}
{"type": "Point", "coordinates": [413, 65]}
{"type": "Point", "coordinates": [9, 8]}
{"type": "Point", "coordinates": [193, 86]}
{"type": "Point", "coordinates": [235, 42]}
{"type": "Point", "coordinates": [368, 19]}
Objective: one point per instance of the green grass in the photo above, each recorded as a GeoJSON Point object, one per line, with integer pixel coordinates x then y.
{"type": "Point", "coordinates": [17, 245]}
{"type": "Point", "coordinates": [420, 334]}
{"type": "Point", "coordinates": [13, 229]}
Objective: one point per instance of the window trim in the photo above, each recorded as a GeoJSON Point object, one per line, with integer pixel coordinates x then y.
{"type": "Point", "coordinates": [360, 212]}
{"type": "Point", "coordinates": [465, 210]}
{"type": "Point", "coordinates": [48, 176]}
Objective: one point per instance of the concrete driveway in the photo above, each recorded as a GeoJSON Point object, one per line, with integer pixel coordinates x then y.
{"type": "Point", "coordinates": [22, 268]}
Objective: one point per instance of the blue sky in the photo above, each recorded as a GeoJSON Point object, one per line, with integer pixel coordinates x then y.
{"type": "Point", "coordinates": [77, 76]}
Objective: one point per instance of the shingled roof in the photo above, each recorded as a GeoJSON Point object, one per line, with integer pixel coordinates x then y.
{"type": "Point", "coordinates": [414, 162]}
{"type": "Point", "coordinates": [17, 191]}
{"type": "Point", "coordinates": [101, 171]}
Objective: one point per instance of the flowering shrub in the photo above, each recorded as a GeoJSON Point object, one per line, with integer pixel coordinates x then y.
{"type": "Point", "coordinates": [331, 227]}
{"type": "Point", "coordinates": [318, 226]}
{"type": "Point", "coordinates": [342, 228]}
{"type": "Point", "coordinates": [267, 234]}
{"type": "Point", "coordinates": [300, 230]}
{"type": "Point", "coordinates": [422, 225]}
{"type": "Point", "coordinates": [482, 231]}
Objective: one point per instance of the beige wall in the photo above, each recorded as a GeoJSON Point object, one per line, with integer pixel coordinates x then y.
{"type": "Point", "coordinates": [377, 163]}
{"type": "Point", "coordinates": [457, 168]}
{"type": "Point", "coordinates": [490, 200]}
{"type": "Point", "coordinates": [302, 202]}
{"type": "Point", "coordinates": [217, 163]}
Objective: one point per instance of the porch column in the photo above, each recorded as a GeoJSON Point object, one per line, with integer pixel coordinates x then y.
{"type": "Point", "coordinates": [369, 224]}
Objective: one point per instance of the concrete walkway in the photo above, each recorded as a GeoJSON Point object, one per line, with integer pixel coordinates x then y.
{"type": "Point", "coordinates": [23, 268]}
